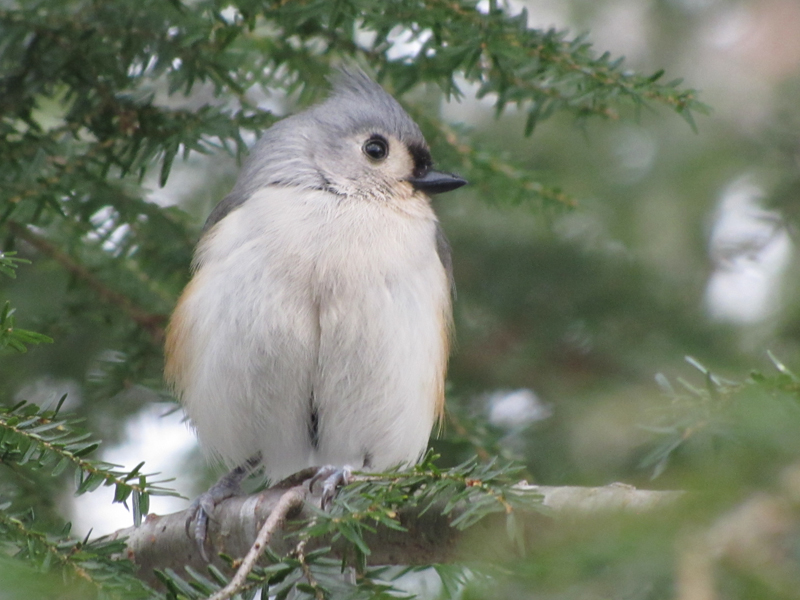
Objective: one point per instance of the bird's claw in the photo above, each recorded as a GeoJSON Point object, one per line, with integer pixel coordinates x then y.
{"type": "Point", "coordinates": [203, 507]}
{"type": "Point", "coordinates": [197, 522]}
{"type": "Point", "coordinates": [332, 479]}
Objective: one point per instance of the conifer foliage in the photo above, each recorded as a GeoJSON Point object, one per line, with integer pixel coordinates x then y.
{"type": "Point", "coordinates": [100, 100]}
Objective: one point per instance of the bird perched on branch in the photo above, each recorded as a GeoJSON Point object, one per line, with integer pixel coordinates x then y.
{"type": "Point", "coordinates": [314, 331]}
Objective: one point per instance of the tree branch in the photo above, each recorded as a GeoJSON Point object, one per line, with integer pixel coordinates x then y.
{"type": "Point", "coordinates": [161, 541]}
{"type": "Point", "coordinates": [152, 323]}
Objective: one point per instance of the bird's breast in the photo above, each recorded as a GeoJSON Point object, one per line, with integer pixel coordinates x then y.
{"type": "Point", "coordinates": [309, 307]}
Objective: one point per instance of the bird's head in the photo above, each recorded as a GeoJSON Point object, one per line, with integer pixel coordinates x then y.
{"type": "Point", "coordinates": [358, 143]}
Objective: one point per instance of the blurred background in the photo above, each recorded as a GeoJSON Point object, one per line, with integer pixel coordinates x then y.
{"type": "Point", "coordinates": [571, 325]}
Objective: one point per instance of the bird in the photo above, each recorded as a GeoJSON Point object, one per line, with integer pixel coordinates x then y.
{"type": "Point", "coordinates": [315, 329]}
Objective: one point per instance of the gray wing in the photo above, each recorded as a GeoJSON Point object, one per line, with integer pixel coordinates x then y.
{"type": "Point", "coordinates": [232, 201]}
{"type": "Point", "coordinates": [445, 255]}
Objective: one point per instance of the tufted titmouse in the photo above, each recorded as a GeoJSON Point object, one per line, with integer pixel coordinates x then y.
{"type": "Point", "coordinates": [315, 328]}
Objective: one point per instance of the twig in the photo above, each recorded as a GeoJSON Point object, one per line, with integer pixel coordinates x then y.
{"type": "Point", "coordinates": [152, 323]}
{"type": "Point", "coordinates": [300, 553]}
{"type": "Point", "coordinates": [291, 500]}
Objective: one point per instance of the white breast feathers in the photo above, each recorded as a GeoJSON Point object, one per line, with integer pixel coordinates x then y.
{"type": "Point", "coordinates": [315, 330]}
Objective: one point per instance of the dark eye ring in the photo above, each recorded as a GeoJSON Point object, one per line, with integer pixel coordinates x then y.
{"type": "Point", "coordinates": [376, 148]}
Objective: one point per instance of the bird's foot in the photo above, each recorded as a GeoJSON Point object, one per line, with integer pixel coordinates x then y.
{"type": "Point", "coordinates": [332, 478]}
{"type": "Point", "coordinates": [200, 512]}
{"type": "Point", "coordinates": [203, 507]}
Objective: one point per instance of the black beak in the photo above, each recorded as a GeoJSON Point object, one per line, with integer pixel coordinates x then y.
{"type": "Point", "coordinates": [436, 182]}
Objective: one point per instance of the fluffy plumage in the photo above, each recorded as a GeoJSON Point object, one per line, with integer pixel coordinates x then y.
{"type": "Point", "coordinates": [315, 328]}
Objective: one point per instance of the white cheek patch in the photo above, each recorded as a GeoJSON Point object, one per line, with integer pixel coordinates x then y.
{"type": "Point", "coordinates": [399, 164]}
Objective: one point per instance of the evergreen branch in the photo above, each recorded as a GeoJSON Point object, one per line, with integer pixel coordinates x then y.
{"type": "Point", "coordinates": [541, 71]}
{"type": "Point", "coordinates": [152, 323]}
{"type": "Point", "coordinates": [90, 564]}
{"type": "Point", "coordinates": [35, 438]}
{"type": "Point", "coordinates": [9, 262]}
{"type": "Point", "coordinates": [490, 173]}
{"type": "Point", "coordinates": [36, 543]}
{"type": "Point", "coordinates": [14, 337]}
{"type": "Point", "coordinates": [11, 335]}
{"type": "Point", "coordinates": [416, 535]}
{"type": "Point", "coordinates": [708, 411]}
{"type": "Point", "coordinates": [300, 553]}
{"type": "Point", "coordinates": [466, 494]}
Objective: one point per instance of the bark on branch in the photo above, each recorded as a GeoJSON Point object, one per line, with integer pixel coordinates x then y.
{"type": "Point", "coordinates": [162, 542]}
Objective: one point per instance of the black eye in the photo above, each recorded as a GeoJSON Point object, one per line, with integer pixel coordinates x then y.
{"type": "Point", "coordinates": [376, 148]}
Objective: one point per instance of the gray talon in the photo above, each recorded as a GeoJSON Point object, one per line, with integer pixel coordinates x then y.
{"type": "Point", "coordinates": [199, 513]}
{"type": "Point", "coordinates": [203, 507]}
{"type": "Point", "coordinates": [332, 479]}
